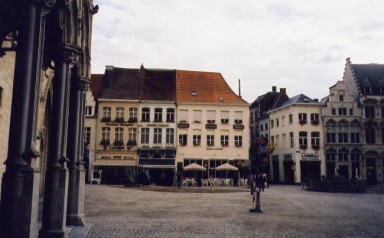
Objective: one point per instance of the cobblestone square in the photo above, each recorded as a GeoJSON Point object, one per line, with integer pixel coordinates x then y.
{"type": "Point", "coordinates": [288, 212]}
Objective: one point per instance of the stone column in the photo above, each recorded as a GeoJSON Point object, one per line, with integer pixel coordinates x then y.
{"type": "Point", "coordinates": [20, 187]}
{"type": "Point", "coordinates": [76, 196]}
{"type": "Point", "coordinates": [56, 182]}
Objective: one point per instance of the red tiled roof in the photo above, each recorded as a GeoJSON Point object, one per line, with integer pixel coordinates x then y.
{"type": "Point", "coordinates": [194, 86]}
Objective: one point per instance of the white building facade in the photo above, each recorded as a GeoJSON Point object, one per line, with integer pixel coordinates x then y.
{"type": "Point", "coordinates": [296, 141]}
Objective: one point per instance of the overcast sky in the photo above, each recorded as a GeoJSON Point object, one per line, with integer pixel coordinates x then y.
{"type": "Point", "coordinates": [300, 45]}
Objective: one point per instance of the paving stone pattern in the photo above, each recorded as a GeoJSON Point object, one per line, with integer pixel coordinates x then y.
{"type": "Point", "coordinates": [288, 212]}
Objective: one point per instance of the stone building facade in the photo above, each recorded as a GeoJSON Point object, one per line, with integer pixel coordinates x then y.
{"type": "Point", "coordinates": [354, 117]}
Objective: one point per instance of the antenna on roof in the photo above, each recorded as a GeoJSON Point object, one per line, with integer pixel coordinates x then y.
{"type": "Point", "coordinates": [239, 89]}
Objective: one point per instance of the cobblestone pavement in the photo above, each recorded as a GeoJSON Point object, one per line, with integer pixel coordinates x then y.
{"type": "Point", "coordinates": [287, 212]}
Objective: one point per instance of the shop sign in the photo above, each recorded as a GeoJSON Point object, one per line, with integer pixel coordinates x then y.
{"type": "Point", "coordinates": [183, 125]}
{"type": "Point", "coordinates": [210, 126]}
{"type": "Point", "coordinates": [238, 127]}
{"type": "Point", "coordinates": [213, 148]}
{"type": "Point", "coordinates": [310, 156]}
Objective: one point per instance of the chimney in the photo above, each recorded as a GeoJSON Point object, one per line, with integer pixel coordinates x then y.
{"type": "Point", "coordinates": [109, 67]}
{"type": "Point", "coordinates": [283, 91]}
{"type": "Point", "coordinates": [239, 89]}
{"type": "Point", "coordinates": [274, 89]}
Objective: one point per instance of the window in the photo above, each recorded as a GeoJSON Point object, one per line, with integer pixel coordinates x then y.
{"type": "Point", "coordinates": [225, 117]}
{"type": "Point", "coordinates": [119, 114]}
{"type": "Point", "coordinates": [261, 128]}
{"type": "Point", "coordinates": [351, 112]}
{"type": "Point", "coordinates": [132, 136]}
{"type": "Point", "coordinates": [183, 115]}
{"type": "Point", "coordinates": [196, 139]}
{"type": "Point", "coordinates": [355, 133]}
{"type": "Point", "coordinates": [211, 116]}
{"type": "Point", "coordinates": [370, 135]}
{"type": "Point", "coordinates": [290, 116]}
{"type": "Point", "coordinates": [170, 135]}
{"type": "Point", "coordinates": [224, 140]}
{"type": "Point", "coordinates": [158, 114]}
{"type": "Point", "coordinates": [343, 137]}
{"type": "Point", "coordinates": [330, 155]}
{"type": "Point", "coordinates": [331, 134]}
{"type": "Point", "coordinates": [272, 123]}
{"type": "Point", "coordinates": [88, 110]}
{"type": "Point", "coordinates": [333, 111]}
{"type": "Point", "coordinates": [369, 112]}
{"type": "Point", "coordinates": [382, 136]}
{"type": "Point", "coordinates": [119, 134]}
{"type": "Point", "coordinates": [210, 140]}
{"type": "Point", "coordinates": [343, 155]}
{"type": "Point", "coordinates": [342, 111]}
{"type": "Point", "coordinates": [144, 135]}
{"type": "Point", "coordinates": [238, 141]}
{"type": "Point", "coordinates": [302, 118]}
{"type": "Point", "coordinates": [266, 126]}
{"type": "Point", "coordinates": [238, 117]}
{"type": "Point", "coordinates": [132, 114]}
{"type": "Point", "coordinates": [283, 121]}
{"type": "Point", "coordinates": [314, 118]}
{"type": "Point", "coordinates": [355, 155]}
{"type": "Point", "coordinates": [87, 135]}
{"type": "Point", "coordinates": [105, 134]}
{"type": "Point", "coordinates": [197, 115]}
{"type": "Point", "coordinates": [183, 139]}
{"type": "Point", "coordinates": [157, 136]}
{"type": "Point", "coordinates": [106, 113]}
{"type": "Point", "coordinates": [1, 96]}
{"type": "Point", "coordinates": [341, 98]}
{"type": "Point", "coordinates": [315, 139]}
{"type": "Point", "coordinates": [303, 139]}
{"type": "Point", "coordinates": [382, 111]}
{"type": "Point", "coordinates": [145, 114]}
{"type": "Point", "coordinates": [170, 115]}
{"type": "Point", "coordinates": [291, 139]}
{"type": "Point", "coordinates": [277, 122]}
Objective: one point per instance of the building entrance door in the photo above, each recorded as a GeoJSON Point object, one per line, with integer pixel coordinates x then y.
{"type": "Point", "coordinates": [288, 172]}
{"type": "Point", "coordinates": [371, 171]}
{"type": "Point", "coordinates": [276, 174]}
{"type": "Point", "coordinates": [310, 169]}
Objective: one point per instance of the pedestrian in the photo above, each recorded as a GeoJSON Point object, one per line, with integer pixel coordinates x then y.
{"type": "Point", "coordinates": [266, 184]}
{"type": "Point", "coordinates": [211, 181]}
{"type": "Point", "coordinates": [260, 182]}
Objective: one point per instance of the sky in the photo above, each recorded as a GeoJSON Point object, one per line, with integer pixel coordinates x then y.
{"type": "Point", "coordinates": [300, 45]}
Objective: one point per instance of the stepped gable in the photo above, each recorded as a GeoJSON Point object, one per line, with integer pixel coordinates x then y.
{"type": "Point", "coordinates": [204, 87]}
{"type": "Point", "coordinates": [120, 83]}
{"type": "Point", "coordinates": [158, 84]}
{"type": "Point", "coordinates": [95, 85]}
{"type": "Point", "coordinates": [370, 75]}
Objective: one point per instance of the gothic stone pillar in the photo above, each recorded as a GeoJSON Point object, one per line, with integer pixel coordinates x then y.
{"type": "Point", "coordinates": [76, 196]}
{"type": "Point", "coordinates": [56, 182]}
{"type": "Point", "coordinates": [20, 197]}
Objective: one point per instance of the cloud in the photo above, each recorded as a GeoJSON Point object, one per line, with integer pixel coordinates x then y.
{"type": "Point", "coordinates": [299, 45]}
